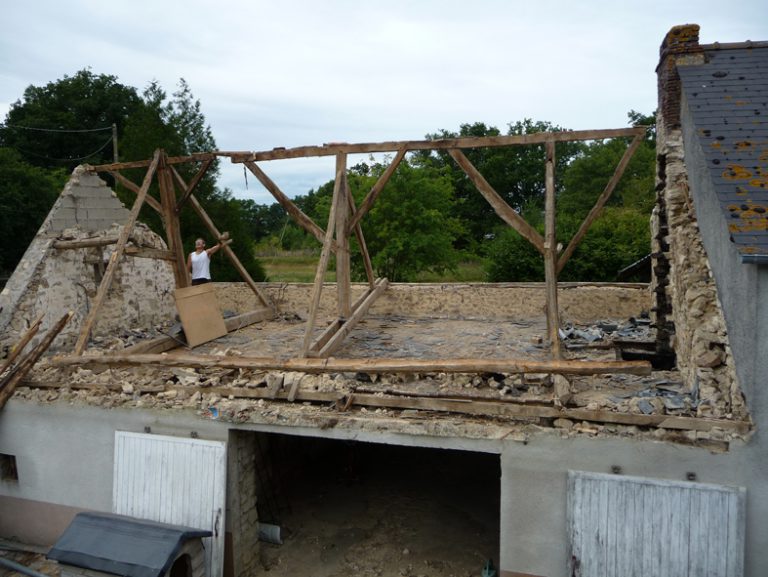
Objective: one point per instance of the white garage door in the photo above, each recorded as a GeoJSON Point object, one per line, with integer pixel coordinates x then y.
{"type": "Point", "coordinates": [173, 480]}
{"type": "Point", "coordinates": [637, 527]}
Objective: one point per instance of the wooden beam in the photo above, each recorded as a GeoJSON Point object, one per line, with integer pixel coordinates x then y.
{"type": "Point", "coordinates": [167, 343]}
{"type": "Point", "coordinates": [294, 211]}
{"type": "Point", "coordinates": [16, 375]}
{"type": "Point", "coordinates": [367, 365]}
{"type": "Point", "coordinates": [193, 184]}
{"type": "Point", "coordinates": [343, 272]}
{"type": "Point", "coordinates": [602, 199]}
{"type": "Point", "coordinates": [376, 189]}
{"type": "Point", "coordinates": [84, 243]}
{"type": "Point", "coordinates": [198, 208]}
{"type": "Point", "coordinates": [441, 144]}
{"type": "Point", "coordinates": [506, 212]}
{"type": "Point", "coordinates": [550, 254]}
{"type": "Point", "coordinates": [172, 225]}
{"type": "Point", "coordinates": [114, 260]}
{"type": "Point", "coordinates": [322, 265]}
{"type": "Point", "coordinates": [362, 244]}
{"type": "Point", "coordinates": [23, 342]}
{"type": "Point", "coordinates": [338, 338]}
{"type": "Point", "coordinates": [142, 252]}
{"type": "Point", "coordinates": [130, 185]}
{"type": "Point", "coordinates": [172, 160]}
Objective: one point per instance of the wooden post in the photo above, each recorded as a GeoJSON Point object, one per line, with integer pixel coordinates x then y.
{"type": "Point", "coordinates": [171, 222]}
{"type": "Point", "coordinates": [498, 204]}
{"type": "Point", "coordinates": [363, 247]}
{"type": "Point", "coordinates": [193, 184]}
{"type": "Point", "coordinates": [322, 265]}
{"type": "Point", "coordinates": [10, 382]}
{"type": "Point", "coordinates": [298, 216]}
{"type": "Point", "coordinates": [371, 197]}
{"type": "Point", "coordinates": [198, 208]}
{"type": "Point", "coordinates": [550, 254]}
{"type": "Point", "coordinates": [135, 189]}
{"type": "Point", "coordinates": [114, 260]}
{"type": "Point", "coordinates": [343, 273]}
{"type": "Point", "coordinates": [602, 199]}
{"type": "Point", "coordinates": [16, 351]}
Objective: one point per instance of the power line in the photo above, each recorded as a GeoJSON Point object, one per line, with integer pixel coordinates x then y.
{"type": "Point", "coordinates": [102, 147]}
{"type": "Point", "coordinates": [54, 129]}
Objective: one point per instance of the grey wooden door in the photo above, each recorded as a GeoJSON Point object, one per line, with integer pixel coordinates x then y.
{"type": "Point", "coordinates": [638, 527]}
{"type": "Point", "coordinates": [173, 480]}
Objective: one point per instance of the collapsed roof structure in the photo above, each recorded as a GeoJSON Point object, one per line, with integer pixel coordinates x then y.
{"type": "Point", "coordinates": [484, 369]}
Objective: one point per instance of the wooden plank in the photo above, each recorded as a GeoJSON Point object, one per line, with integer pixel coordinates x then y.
{"type": "Point", "coordinates": [362, 244]}
{"type": "Point", "coordinates": [367, 365]}
{"type": "Point", "coordinates": [337, 323]}
{"type": "Point", "coordinates": [338, 338]}
{"type": "Point", "coordinates": [227, 250]}
{"type": "Point", "coordinates": [114, 260]}
{"type": "Point", "coordinates": [200, 314]}
{"type": "Point", "coordinates": [441, 144]}
{"type": "Point", "coordinates": [600, 203]}
{"type": "Point", "coordinates": [167, 343]}
{"type": "Point", "coordinates": [23, 342]}
{"type": "Point", "coordinates": [322, 266]}
{"type": "Point", "coordinates": [550, 255]}
{"type": "Point", "coordinates": [376, 189]}
{"type": "Point", "coordinates": [16, 375]}
{"type": "Point", "coordinates": [482, 407]}
{"type": "Point", "coordinates": [294, 211]}
{"type": "Point", "coordinates": [171, 223]}
{"type": "Point", "coordinates": [143, 252]}
{"type": "Point", "coordinates": [193, 184]}
{"type": "Point", "coordinates": [343, 272]}
{"type": "Point", "coordinates": [130, 185]}
{"type": "Point", "coordinates": [499, 205]}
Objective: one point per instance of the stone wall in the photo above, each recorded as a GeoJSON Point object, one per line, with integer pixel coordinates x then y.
{"type": "Point", "coordinates": [579, 303]}
{"type": "Point", "coordinates": [686, 308]}
{"type": "Point", "coordinates": [242, 516]}
{"type": "Point", "coordinates": [52, 281]}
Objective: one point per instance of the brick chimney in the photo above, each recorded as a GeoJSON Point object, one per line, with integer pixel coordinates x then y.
{"type": "Point", "coordinates": [680, 46]}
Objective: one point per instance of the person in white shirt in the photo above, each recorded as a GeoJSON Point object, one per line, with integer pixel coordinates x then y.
{"type": "Point", "coordinates": [199, 262]}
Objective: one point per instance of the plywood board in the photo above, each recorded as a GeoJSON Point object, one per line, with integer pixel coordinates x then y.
{"type": "Point", "coordinates": [200, 314]}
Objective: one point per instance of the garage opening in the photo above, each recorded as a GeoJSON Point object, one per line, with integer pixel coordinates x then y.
{"type": "Point", "coordinates": [354, 508]}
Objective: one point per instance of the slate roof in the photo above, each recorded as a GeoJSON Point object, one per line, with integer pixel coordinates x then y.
{"type": "Point", "coordinates": [121, 545]}
{"type": "Point", "coordinates": [728, 99]}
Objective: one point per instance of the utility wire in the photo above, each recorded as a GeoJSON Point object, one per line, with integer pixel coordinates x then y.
{"type": "Point", "coordinates": [102, 147]}
{"type": "Point", "coordinates": [54, 129]}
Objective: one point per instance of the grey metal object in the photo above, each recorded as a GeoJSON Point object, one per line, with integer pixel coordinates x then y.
{"type": "Point", "coordinates": [19, 568]}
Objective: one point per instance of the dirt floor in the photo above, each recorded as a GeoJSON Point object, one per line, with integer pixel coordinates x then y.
{"type": "Point", "coordinates": [386, 511]}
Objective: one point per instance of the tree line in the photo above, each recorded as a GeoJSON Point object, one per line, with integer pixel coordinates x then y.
{"type": "Point", "coordinates": [428, 218]}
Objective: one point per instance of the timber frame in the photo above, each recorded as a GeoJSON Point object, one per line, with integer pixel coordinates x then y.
{"type": "Point", "coordinates": [345, 220]}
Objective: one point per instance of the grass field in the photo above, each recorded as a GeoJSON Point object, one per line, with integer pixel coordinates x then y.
{"type": "Point", "coordinates": [301, 268]}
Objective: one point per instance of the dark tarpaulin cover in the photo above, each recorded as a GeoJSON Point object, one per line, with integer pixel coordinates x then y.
{"type": "Point", "coordinates": [121, 545]}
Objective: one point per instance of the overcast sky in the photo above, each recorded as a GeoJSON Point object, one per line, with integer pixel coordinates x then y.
{"type": "Point", "coordinates": [294, 72]}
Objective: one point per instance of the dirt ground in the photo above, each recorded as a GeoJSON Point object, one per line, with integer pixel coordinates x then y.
{"type": "Point", "coordinates": [385, 511]}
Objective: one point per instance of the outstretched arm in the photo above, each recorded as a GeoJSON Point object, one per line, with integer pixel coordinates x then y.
{"type": "Point", "coordinates": [214, 249]}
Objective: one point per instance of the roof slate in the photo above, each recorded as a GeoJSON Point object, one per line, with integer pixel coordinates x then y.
{"type": "Point", "coordinates": [727, 97]}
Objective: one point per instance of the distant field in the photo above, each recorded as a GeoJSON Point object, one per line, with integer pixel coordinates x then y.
{"type": "Point", "coordinates": [301, 268]}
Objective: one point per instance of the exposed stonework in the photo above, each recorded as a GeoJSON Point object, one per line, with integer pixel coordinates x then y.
{"type": "Point", "coordinates": [686, 307]}
{"type": "Point", "coordinates": [242, 517]}
{"type": "Point", "coordinates": [53, 280]}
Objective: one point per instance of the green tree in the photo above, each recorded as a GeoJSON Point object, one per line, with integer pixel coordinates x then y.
{"type": "Point", "coordinates": [515, 172]}
{"type": "Point", "coordinates": [27, 193]}
{"type": "Point", "coordinates": [39, 126]}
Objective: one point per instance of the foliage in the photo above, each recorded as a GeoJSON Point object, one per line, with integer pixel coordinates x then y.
{"type": "Point", "coordinates": [620, 237]}
{"type": "Point", "coordinates": [515, 172]}
{"type": "Point", "coordinates": [26, 195]}
{"type": "Point", "coordinates": [85, 101]}
{"type": "Point", "coordinates": [144, 123]}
